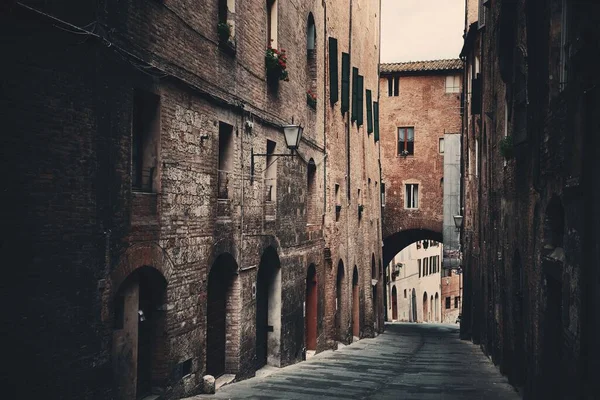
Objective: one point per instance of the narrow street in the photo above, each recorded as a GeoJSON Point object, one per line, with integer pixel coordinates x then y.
{"type": "Point", "coordinates": [408, 361]}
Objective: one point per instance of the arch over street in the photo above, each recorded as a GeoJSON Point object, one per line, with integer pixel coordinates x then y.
{"type": "Point", "coordinates": [394, 243]}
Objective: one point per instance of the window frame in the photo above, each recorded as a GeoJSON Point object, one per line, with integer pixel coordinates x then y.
{"type": "Point", "coordinates": [455, 87]}
{"type": "Point", "coordinates": [405, 141]}
{"type": "Point", "coordinates": [411, 187]}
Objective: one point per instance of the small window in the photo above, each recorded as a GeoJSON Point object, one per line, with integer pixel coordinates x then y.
{"type": "Point", "coordinates": [270, 176]}
{"type": "Point", "coordinates": [272, 23]}
{"type": "Point", "coordinates": [441, 146]}
{"type": "Point", "coordinates": [404, 293]}
{"type": "Point", "coordinates": [145, 137]}
{"type": "Point", "coordinates": [411, 198]}
{"type": "Point", "coordinates": [447, 303]}
{"type": "Point", "coordinates": [225, 167]}
{"type": "Point", "coordinates": [393, 86]}
{"type": "Point", "coordinates": [425, 267]}
{"type": "Point", "coordinates": [186, 367]}
{"type": "Point", "coordinates": [382, 194]}
{"type": "Point", "coordinates": [456, 301]}
{"type": "Point", "coordinates": [419, 264]}
{"type": "Point", "coordinates": [453, 84]}
{"type": "Point", "coordinates": [338, 204]}
{"type": "Point", "coordinates": [406, 141]}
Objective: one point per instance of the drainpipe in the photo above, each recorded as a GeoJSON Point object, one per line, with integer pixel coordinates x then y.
{"type": "Point", "coordinates": [324, 112]}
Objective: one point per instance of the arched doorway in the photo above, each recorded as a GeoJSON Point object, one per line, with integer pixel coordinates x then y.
{"type": "Point", "coordinates": [437, 307]}
{"type": "Point", "coordinates": [430, 317]}
{"type": "Point", "coordinates": [268, 309]}
{"type": "Point", "coordinates": [339, 302]}
{"type": "Point", "coordinates": [425, 306]}
{"type": "Point", "coordinates": [139, 332]}
{"type": "Point", "coordinates": [553, 257]}
{"type": "Point", "coordinates": [311, 308]}
{"type": "Point", "coordinates": [355, 304]}
{"type": "Point", "coordinates": [394, 304]}
{"type": "Point", "coordinates": [222, 281]}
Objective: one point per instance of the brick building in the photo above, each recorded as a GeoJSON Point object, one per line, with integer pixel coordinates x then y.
{"type": "Point", "coordinates": [420, 109]}
{"type": "Point", "coordinates": [160, 232]}
{"type": "Point", "coordinates": [529, 192]}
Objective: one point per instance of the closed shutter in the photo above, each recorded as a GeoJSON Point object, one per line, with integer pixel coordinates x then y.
{"type": "Point", "coordinates": [345, 82]}
{"type": "Point", "coordinates": [354, 94]}
{"type": "Point", "coordinates": [476, 96]}
{"type": "Point", "coordinates": [333, 70]}
{"type": "Point", "coordinates": [361, 106]}
{"type": "Point", "coordinates": [376, 120]}
{"type": "Point", "coordinates": [369, 112]}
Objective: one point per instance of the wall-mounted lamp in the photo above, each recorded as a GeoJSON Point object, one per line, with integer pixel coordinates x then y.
{"type": "Point", "coordinates": [458, 222]}
{"type": "Point", "coordinates": [292, 134]}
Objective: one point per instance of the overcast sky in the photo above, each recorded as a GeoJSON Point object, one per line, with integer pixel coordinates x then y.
{"type": "Point", "coordinates": [413, 30]}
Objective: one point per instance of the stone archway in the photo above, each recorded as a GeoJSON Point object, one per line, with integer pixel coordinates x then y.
{"type": "Point", "coordinates": [311, 308]}
{"type": "Point", "coordinates": [221, 315]}
{"type": "Point", "coordinates": [268, 309]}
{"type": "Point", "coordinates": [139, 343]}
{"type": "Point", "coordinates": [394, 243]}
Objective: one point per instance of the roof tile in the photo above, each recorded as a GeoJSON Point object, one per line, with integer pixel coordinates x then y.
{"type": "Point", "coordinates": [416, 66]}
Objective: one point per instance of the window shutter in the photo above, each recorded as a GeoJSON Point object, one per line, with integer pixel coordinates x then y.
{"type": "Point", "coordinates": [369, 112]}
{"type": "Point", "coordinates": [333, 70]}
{"type": "Point", "coordinates": [354, 94]}
{"type": "Point", "coordinates": [361, 95]}
{"type": "Point", "coordinates": [345, 82]}
{"type": "Point", "coordinates": [376, 121]}
{"type": "Point", "coordinates": [476, 96]}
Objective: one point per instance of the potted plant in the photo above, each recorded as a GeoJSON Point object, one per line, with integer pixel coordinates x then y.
{"type": "Point", "coordinates": [276, 64]}
{"type": "Point", "coordinates": [311, 99]}
{"type": "Point", "coordinates": [224, 32]}
{"type": "Point", "coordinates": [506, 147]}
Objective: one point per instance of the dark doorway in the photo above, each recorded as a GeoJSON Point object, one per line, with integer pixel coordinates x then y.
{"type": "Point", "coordinates": [355, 304]}
{"type": "Point", "coordinates": [220, 285]}
{"type": "Point", "coordinates": [414, 305]}
{"type": "Point", "coordinates": [311, 308]}
{"type": "Point", "coordinates": [339, 303]}
{"type": "Point", "coordinates": [139, 323]}
{"type": "Point", "coordinates": [425, 306]}
{"type": "Point", "coordinates": [394, 304]}
{"type": "Point", "coordinates": [268, 306]}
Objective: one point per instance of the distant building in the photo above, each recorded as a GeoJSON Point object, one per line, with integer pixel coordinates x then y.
{"type": "Point", "coordinates": [414, 292]}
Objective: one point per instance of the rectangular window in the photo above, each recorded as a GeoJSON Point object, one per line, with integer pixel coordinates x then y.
{"type": "Point", "coordinates": [456, 301]}
{"type": "Point", "coordinates": [145, 138]}
{"type": "Point", "coordinates": [406, 141]}
{"type": "Point", "coordinates": [272, 23]}
{"type": "Point", "coordinates": [354, 115]}
{"type": "Point", "coordinates": [345, 82]}
{"type": "Point", "coordinates": [376, 121]}
{"type": "Point", "coordinates": [419, 264]}
{"type": "Point", "coordinates": [360, 97]}
{"type": "Point", "coordinates": [411, 198]}
{"type": "Point", "coordinates": [225, 159]}
{"type": "Point", "coordinates": [369, 112]}
{"type": "Point", "coordinates": [482, 6]}
{"type": "Point", "coordinates": [453, 84]}
{"type": "Point", "coordinates": [271, 172]}
{"type": "Point", "coordinates": [404, 293]}
{"type": "Point", "coordinates": [396, 86]}
{"type": "Point", "coordinates": [390, 86]}
{"type": "Point", "coordinates": [447, 303]}
{"type": "Point", "coordinates": [382, 194]}
{"type": "Point", "coordinates": [441, 147]}
{"type": "Point", "coordinates": [425, 267]}
{"type": "Point", "coordinates": [393, 86]}
{"type": "Point", "coordinates": [333, 70]}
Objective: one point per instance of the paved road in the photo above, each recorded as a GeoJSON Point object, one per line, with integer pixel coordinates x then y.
{"type": "Point", "coordinates": [408, 361]}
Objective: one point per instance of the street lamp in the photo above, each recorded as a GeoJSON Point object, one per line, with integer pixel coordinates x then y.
{"type": "Point", "coordinates": [292, 134]}
{"type": "Point", "coordinates": [458, 222]}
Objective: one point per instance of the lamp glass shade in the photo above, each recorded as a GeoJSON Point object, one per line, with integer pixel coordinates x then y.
{"type": "Point", "coordinates": [293, 134]}
{"type": "Point", "coordinates": [458, 221]}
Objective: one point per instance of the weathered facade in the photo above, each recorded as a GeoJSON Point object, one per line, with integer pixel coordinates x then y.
{"type": "Point", "coordinates": [165, 237]}
{"type": "Point", "coordinates": [420, 103]}
{"type": "Point", "coordinates": [414, 283]}
{"type": "Point", "coordinates": [529, 192]}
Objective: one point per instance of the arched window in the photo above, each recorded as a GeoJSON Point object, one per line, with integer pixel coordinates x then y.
{"type": "Point", "coordinates": [272, 23]}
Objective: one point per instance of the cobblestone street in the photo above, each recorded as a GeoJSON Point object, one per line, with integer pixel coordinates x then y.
{"type": "Point", "coordinates": [408, 361]}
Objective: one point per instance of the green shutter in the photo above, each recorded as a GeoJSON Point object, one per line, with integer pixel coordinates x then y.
{"type": "Point", "coordinates": [345, 82]}
{"type": "Point", "coordinates": [333, 70]}
{"type": "Point", "coordinates": [354, 94]}
{"type": "Point", "coordinates": [369, 112]}
{"type": "Point", "coordinates": [376, 120]}
{"type": "Point", "coordinates": [361, 106]}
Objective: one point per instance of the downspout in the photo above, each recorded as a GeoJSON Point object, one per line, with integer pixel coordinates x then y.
{"type": "Point", "coordinates": [325, 75]}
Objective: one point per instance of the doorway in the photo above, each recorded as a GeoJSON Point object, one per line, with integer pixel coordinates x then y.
{"type": "Point", "coordinates": [425, 307]}
{"type": "Point", "coordinates": [311, 308]}
{"type": "Point", "coordinates": [268, 309]}
{"type": "Point", "coordinates": [394, 304]}
{"type": "Point", "coordinates": [339, 303]}
{"type": "Point", "coordinates": [220, 289]}
{"type": "Point", "coordinates": [355, 304]}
